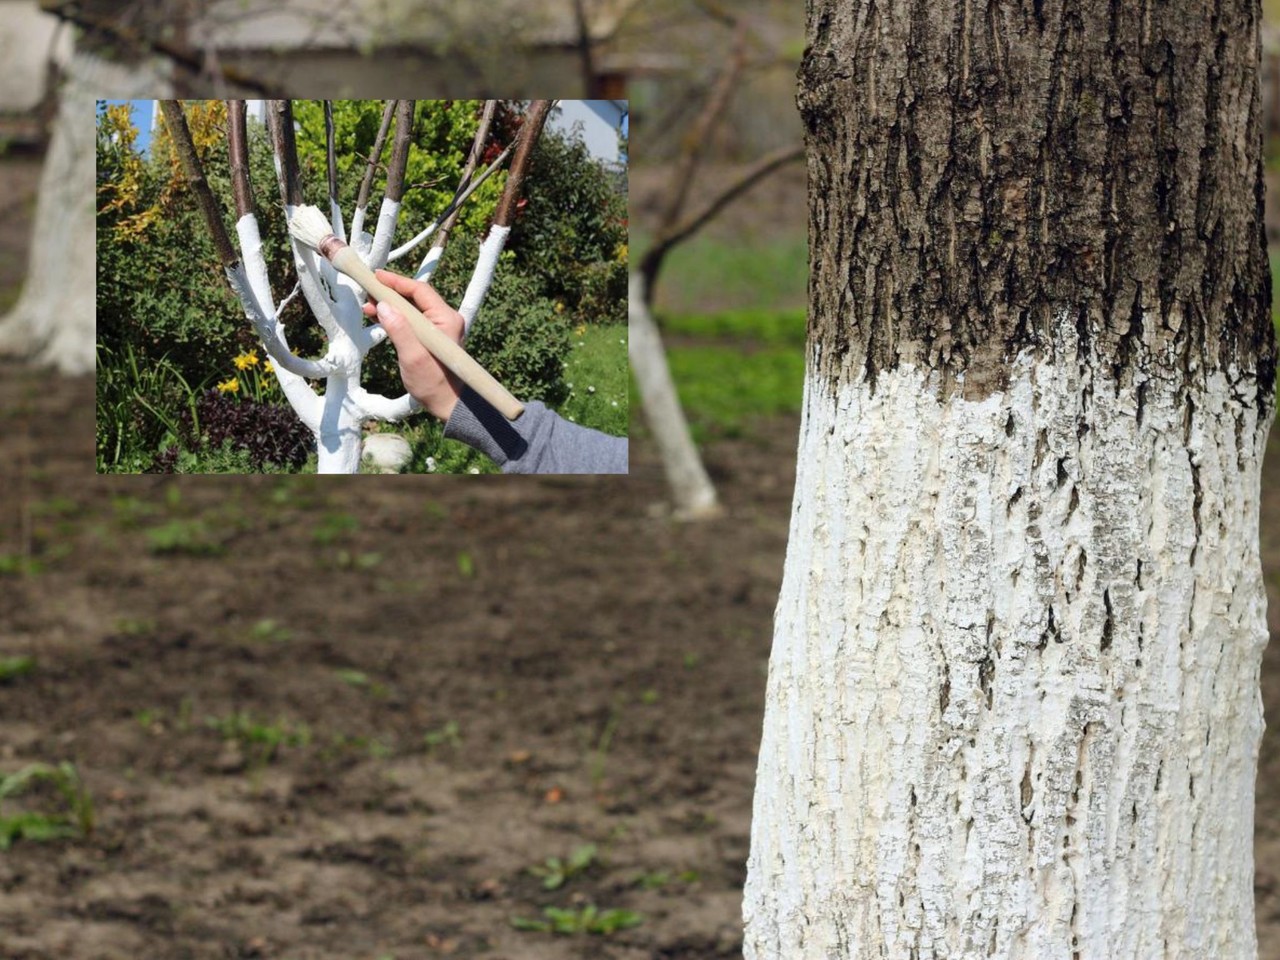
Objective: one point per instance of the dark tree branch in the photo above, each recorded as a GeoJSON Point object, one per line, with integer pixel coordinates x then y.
{"type": "Point", "coordinates": [586, 60]}
{"type": "Point", "coordinates": [189, 58]}
{"type": "Point", "coordinates": [695, 141]}
{"type": "Point", "coordinates": [238, 156]}
{"type": "Point", "coordinates": [283, 142]}
{"type": "Point", "coordinates": [400, 149]}
{"type": "Point", "coordinates": [529, 133]}
{"type": "Point", "coordinates": [473, 159]}
{"type": "Point", "coordinates": [651, 262]}
{"type": "Point", "coordinates": [375, 156]}
{"type": "Point", "coordinates": [180, 134]}
{"type": "Point", "coordinates": [329, 151]}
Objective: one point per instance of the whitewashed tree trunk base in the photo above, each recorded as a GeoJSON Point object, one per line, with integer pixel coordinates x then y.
{"type": "Point", "coordinates": [54, 319]}
{"type": "Point", "coordinates": [1013, 705]}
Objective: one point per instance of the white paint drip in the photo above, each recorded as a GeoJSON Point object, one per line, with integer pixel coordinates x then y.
{"type": "Point", "coordinates": [482, 276]}
{"type": "Point", "coordinates": [1013, 705]}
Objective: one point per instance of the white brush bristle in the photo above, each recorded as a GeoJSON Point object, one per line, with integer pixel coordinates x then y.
{"type": "Point", "coordinates": [310, 226]}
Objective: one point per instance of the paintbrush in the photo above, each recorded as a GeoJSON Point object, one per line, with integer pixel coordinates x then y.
{"type": "Point", "coordinates": [312, 227]}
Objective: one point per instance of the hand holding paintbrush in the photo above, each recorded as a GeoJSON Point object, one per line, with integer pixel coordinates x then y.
{"type": "Point", "coordinates": [312, 228]}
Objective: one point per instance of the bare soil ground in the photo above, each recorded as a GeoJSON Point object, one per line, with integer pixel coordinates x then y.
{"type": "Point", "coordinates": [471, 674]}
{"type": "Point", "coordinates": [489, 672]}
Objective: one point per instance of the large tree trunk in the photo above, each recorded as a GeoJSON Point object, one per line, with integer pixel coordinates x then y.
{"type": "Point", "coordinates": [1013, 704]}
{"type": "Point", "coordinates": [53, 320]}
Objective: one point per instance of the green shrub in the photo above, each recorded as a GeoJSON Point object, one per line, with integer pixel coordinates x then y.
{"type": "Point", "coordinates": [572, 234]}
{"type": "Point", "coordinates": [521, 340]}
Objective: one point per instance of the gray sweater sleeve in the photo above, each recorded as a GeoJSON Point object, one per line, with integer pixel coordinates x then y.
{"type": "Point", "coordinates": [539, 442]}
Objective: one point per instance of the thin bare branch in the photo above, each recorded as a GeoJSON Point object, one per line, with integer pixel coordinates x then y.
{"type": "Point", "coordinates": [400, 149]}
{"type": "Point", "coordinates": [651, 262]}
{"type": "Point", "coordinates": [586, 59]}
{"type": "Point", "coordinates": [329, 152]}
{"type": "Point", "coordinates": [238, 153]}
{"type": "Point", "coordinates": [280, 123]}
{"type": "Point", "coordinates": [198, 62]}
{"type": "Point", "coordinates": [180, 134]}
{"type": "Point", "coordinates": [375, 158]}
{"type": "Point", "coordinates": [529, 133]}
{"type": "Point", "coordinates": [473, 159]}
{"type": "Point", "coordinates": [450, 211]}
{"type": "Point", "coordinates": [696, 140]}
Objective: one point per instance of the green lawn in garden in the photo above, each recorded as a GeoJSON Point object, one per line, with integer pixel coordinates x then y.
{"type": "Point", "coordinates": [736, 365]}
{"type": "Point", "coordinates": [712, 273]}
{"type": "Point", "coordinates": [596, 368]}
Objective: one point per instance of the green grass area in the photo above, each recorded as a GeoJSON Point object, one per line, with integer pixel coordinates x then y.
{"type": "Point", "coordinates": [708, 273]}
{"type": "Point", "coordinates": [740, 364]}
{"type": "Point", "coordinates": [597, 369]}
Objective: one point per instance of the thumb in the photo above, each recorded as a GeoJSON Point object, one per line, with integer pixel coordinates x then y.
{"type": "Point", "coordinates": [397, 327]}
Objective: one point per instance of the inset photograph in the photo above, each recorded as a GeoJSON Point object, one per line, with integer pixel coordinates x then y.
{"type": "Point", "coordinates": [362, 286]}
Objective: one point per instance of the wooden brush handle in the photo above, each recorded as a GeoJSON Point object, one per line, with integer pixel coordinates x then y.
{"type": "Point", "coordinates": [442, 348]}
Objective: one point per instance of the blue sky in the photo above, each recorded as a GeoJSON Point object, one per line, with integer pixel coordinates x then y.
{"type": "Point", "coordinates": [140, 112]}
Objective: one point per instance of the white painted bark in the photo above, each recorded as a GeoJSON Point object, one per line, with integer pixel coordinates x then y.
{"type": "Point", "coordinates": [53, 320]}
{"type": "Point", "coordinates": [691, 489]}
{"type": "Point", "coordinates": [1013, 706]}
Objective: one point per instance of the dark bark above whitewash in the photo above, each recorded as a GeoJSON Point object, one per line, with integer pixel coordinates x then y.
{"type": "Point", "coordinates": [983, 171]}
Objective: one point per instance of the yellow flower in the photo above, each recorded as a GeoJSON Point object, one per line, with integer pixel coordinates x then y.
{"type": "Point", "coordinates": [267, 367]}
{"type": "Point", "coordinates": [620, 254]}
{"type": "Point", "coordinates": [229, 386]}
{"type": "Point", "coordinates": [580, 329]}
{"type": "Point", "coordinates": [246, 360]}
{"type": "Point", "coordinates": [559, 307]}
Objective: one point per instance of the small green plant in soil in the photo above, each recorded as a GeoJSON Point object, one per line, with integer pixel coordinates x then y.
{"type": "Point", "coordinates": [19, 565]}
{"type": "Point", "coordinates": [269, 630]}
{"type": "Point", "coordinates": [11, 668]}
{"type": "Point", "coordinates": [189, 537]}
{"type": "Point", "coordinates": [601, 752]}
{"type": "Point", "coordinates": [588, 919]}
{"type": "Point", "coordinates": [260, 738]}
{"type": "Point", "coordinates": [333, 527]}
{"type": "Point", "coordinates": [74, 819]}
{"type": "Point", "coordinates": [555, 872]}
{"type": "Point", "coordinates": [448, 735]}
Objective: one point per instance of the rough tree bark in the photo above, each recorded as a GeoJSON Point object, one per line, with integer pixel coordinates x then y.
{"type": "Point", "coordinates": [1013, 705]}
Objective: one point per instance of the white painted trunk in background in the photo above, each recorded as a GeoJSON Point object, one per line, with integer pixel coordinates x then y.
{"type": "Point", "coordinates": [1013, 706]}
{"type": "Point", "coordinates": [54, 318]}
{"type": "Point", "coordinates": [691, 488]}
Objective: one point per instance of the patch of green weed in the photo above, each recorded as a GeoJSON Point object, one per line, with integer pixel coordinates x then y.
{"type": "Point", "coordinates": [588, 919]}
{"type": "Point", "coordinates": [556, 872]}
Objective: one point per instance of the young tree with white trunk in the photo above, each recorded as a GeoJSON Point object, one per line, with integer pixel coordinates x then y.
{"type": "Point", "coordinates": [53, 320]}
{"type": "Point", "coordinates": [692, 492]}
{"type": "Point", "coordinates": [335, 300]}
{"type": "Point", "coordinates": [1013, 706]}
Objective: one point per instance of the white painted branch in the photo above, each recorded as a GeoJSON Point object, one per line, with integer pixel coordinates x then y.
{"type": "Point", "coordinates": [482, 276]}
{"type": "Point", "coordinates": [335, 220]}
{"type": "Point", "coordinates": [429, 264]}
{"type": "Point", "coordinates": [453, 207]}
{"type": "Point", "coordinates": [1012, 704]}
{"type": "Point", "coordinates": [268, 330]}
{"type": "Point", "coordinates": [378, 407]}
{"type": "Point", "coordinates": [388, 214]}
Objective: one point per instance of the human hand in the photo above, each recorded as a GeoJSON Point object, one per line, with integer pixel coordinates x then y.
{"type": "Point", "coordinates": [426, 379]}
